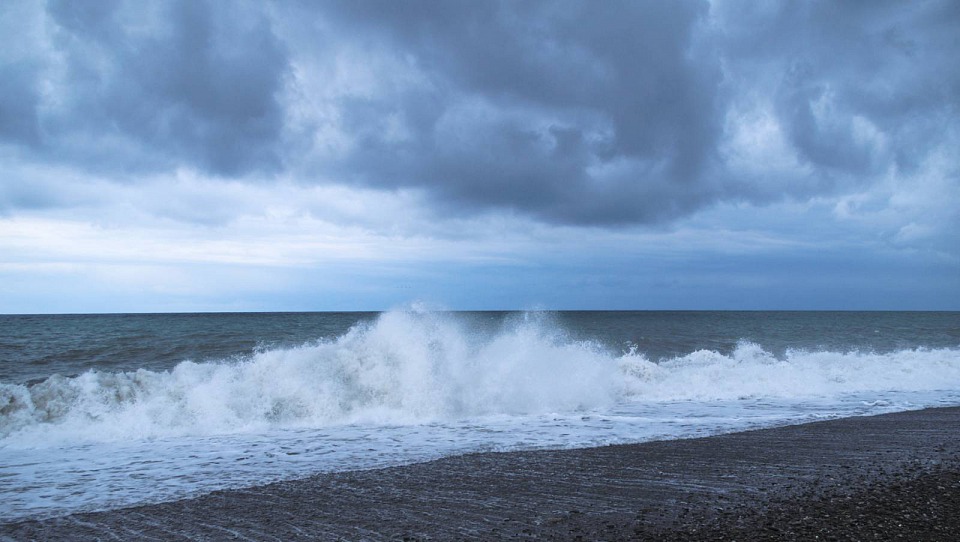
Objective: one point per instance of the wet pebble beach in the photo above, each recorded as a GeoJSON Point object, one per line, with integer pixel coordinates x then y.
{"type": "Point", "coordinates": [888, 477]}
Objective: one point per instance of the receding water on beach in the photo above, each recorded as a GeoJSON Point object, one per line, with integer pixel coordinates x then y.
{"type": "Point", "coordinates": [105, 411]}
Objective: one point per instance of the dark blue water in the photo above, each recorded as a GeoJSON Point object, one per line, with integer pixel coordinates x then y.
{"type": "Point", "coordinates": [275, 396]}
{"type": "Point", "coordinates": [36, 346]}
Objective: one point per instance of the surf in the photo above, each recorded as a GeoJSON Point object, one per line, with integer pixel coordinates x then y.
{"type": "Point", "coordinates": [416, 367]}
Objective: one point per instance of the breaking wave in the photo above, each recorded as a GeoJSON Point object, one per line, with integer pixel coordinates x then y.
{"type": "Point", "coordinates": [413, 367]}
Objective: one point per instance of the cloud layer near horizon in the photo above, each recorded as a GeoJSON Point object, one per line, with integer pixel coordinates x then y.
{"type": "Point", "coordinates": [448, 120]}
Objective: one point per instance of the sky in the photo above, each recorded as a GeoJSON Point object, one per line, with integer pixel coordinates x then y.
{"type": "Point", "coordinates": [178, 156]}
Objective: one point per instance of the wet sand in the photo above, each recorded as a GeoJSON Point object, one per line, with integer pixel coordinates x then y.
{"type": "Point", "coordinates": [889, 477]}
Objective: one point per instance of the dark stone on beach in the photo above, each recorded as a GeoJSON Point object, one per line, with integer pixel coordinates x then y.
{"type": "Point", "coordinates": [890, 477]}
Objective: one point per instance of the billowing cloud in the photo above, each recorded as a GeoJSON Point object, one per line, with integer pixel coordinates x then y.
{"type": "Point", "coordinates": [573, 112]}
{"type": "Point", "coordinates": [856, 90]}
{"type": "Point", "coordinates": [570, 112]}
{"type": "Point", "coordinates": [126, 87]}
{"type": "Point", "coordinates": [619, 128]}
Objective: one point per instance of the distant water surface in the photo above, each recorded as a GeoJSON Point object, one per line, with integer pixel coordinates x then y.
{"type": "Point", "coordinates": [101, 411]}
{"type": "Point", "coordinates": [36, 346]}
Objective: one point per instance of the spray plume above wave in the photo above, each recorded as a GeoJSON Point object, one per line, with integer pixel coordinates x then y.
{"type": "Point", "coordinates": [414, 366]}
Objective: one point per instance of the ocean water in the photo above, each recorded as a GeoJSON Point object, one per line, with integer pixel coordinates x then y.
{"type": "Point", "coordinates": [105, 411]}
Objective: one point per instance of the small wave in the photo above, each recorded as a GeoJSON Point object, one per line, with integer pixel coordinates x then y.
{"type": "Point", "coordinates": [412, 367]}
{"type": "Point", "coordinates": [752, 372]}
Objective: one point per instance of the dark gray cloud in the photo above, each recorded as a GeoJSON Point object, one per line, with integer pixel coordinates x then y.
{"type": "Point", "coordinates": [19, 98]}
{"type": "Point", "coordinates": [605, 113]}
{"type": "Point", "coordinates": [858, 87]}
{"type": "Point", "coordinates": [187, 83]}
{"type": "Point", "coordinates": [584, 112]}
{"type": "Point", "coordinates": [576, 112]}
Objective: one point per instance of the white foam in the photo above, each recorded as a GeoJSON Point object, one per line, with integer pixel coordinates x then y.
{"type": "Point", "coordinates": [416, 367]}
{"type": "Point", "coordinates": [406, 367]}
{"type": "Point", "coordinates": [751, 372]}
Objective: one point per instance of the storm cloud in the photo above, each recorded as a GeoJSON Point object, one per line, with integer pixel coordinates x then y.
{"type": "Point", "coordinates": [584, 113]}
{"type": "Point", "coordinates": [182, 155]}
{"type": "Point", "coordinates": [128, 87]}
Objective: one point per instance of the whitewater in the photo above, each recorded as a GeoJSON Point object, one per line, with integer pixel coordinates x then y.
{"type": "Point", "coordinates": [414, 385]}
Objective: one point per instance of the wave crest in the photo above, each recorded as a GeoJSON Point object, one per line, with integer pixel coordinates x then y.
{"type": "Point", "coordinates": [751, 372]}
{"type": "Point", "coordinates": [410, 367]}
{"type": "Point", "coordinates": [404, 367]}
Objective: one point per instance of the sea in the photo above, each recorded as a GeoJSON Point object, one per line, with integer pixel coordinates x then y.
{"type": "Point", "coordinates": [99, 412]}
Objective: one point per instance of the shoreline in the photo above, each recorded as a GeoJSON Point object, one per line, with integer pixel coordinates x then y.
{"type": "Point", "coordinates": [874, 477]}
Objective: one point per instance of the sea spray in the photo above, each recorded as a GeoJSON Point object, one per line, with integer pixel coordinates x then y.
{"type": "Point", "coordinates": [406, 367]}
{"type": "Point", "coordinates": [751, 372]}
{"type": "Point", "coordinates": [131, 422]}
{"type": "Point", "coordinates": [410, 367]}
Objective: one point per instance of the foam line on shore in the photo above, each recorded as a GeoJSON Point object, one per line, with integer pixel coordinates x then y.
{"type": "Point", "coordinates": [624, 491]}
